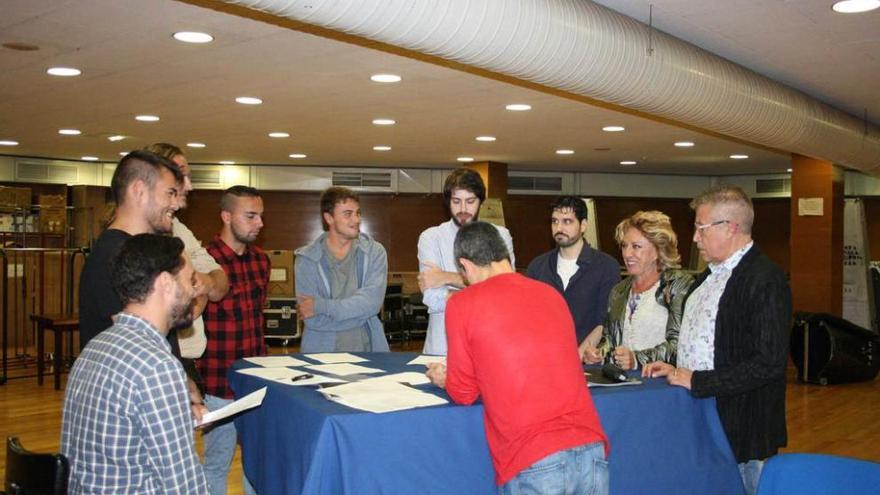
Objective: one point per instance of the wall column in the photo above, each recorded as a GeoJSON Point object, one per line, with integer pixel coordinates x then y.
{"type": "Point", "coordinates": [817, 191]}
{"type": "Point", "coordinates": [494, 175]}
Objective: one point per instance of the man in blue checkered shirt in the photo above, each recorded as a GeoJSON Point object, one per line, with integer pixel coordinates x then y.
{"type": "Point", "coordinates": [127, 421]}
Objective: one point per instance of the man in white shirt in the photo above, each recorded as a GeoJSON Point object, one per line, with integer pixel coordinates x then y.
{"type": "Point", "coordinates": [463, 193]}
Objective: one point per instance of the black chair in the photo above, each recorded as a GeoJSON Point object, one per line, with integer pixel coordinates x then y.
{"type": "Point", "coordinates": [392, 312]}
{"type": "Point", "coordinates": [28, 473]}
{"type": "Point", "coordinates": [416, 316]}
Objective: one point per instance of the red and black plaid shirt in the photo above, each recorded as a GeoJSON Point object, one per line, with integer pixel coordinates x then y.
{"type": "Point", "coordinates": [234, 325]}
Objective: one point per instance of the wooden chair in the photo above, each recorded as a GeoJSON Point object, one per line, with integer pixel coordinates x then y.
{"type": "Point", "coordinates": [28, 473]}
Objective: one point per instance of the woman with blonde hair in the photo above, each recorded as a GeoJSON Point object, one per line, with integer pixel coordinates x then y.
{"type": "Point", "coordinates": [645, 308]}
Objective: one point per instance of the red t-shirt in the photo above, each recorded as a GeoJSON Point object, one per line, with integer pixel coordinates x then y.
{"type": "Point", "coordinates": [512, 342]}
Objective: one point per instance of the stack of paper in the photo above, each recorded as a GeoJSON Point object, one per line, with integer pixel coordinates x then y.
{"type": "Point", "coordinates": [379, 396]}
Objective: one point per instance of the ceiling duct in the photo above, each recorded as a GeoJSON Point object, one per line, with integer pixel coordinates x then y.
{"type": "Point", "coordinates": [586, 49]}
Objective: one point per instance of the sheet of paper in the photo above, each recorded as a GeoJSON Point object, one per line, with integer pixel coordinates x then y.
{"type": "Point", "coordinates": [343, 369]}
{"type": "Point", "coordinates": [427, 359]}
{"type": "Point", "coordinates": [249, 401]}
{"type": "Point", "coordinates": [275, 361]}
{"type": "Point", "coordinates": [379, 396]}
{"type": "Point", "coordinates": [316, 380]}
{"type": "Point", "coordinates": [410, 377]}
{"type": "Point", "coordinates": [274, 374]}
{"type": "Point", "coordinates": [335, 357]}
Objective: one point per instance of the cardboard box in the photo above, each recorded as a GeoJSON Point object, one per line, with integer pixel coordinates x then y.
{"type": "Point", "coordinates": [279, 318]}
{"type": "Point", "coordinates": [53, 220]}
{"type": "Point", "coordinates": [15, 197]}
{"type": "Point", "coordinates": [58, 200]}
{"type": "Point", "coordinates": [281, 276]}
{"type": "Point", "coordinates": [409, 281]}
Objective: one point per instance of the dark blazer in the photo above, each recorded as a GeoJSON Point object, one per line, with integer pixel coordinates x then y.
{"type": "Point", "coordinates": [751, 355]}
{"type": "Point", "coordinates": [587, 291]}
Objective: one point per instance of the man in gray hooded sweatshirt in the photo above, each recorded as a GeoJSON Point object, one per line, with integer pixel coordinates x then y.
{"type": "Point", "coordinates": [340, 281]}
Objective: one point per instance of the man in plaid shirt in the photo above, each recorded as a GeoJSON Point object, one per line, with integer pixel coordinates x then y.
{"type": "Point", "coordinates": [233, 325]}
{"type": "Point", "coordinates": [127, 426]}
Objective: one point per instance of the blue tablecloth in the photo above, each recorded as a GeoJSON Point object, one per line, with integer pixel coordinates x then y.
{"type": "Point", "coordinates": [663, 441]}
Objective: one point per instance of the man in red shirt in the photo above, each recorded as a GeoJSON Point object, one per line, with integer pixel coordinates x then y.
{"type": "Point", "coordinates": [512, 342]}
{"type": "Point", "coordinates": [234, 324]}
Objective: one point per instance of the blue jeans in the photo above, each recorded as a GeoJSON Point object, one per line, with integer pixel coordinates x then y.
{"type": "Point", "coordinates": [751, 473]}
{"type": "Point", "coordinates": [220, 441]}
{"type": "Point", "coordinates": [577, 471]}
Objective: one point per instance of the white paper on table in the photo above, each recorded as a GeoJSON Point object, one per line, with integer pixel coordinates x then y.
{"type": "Point", "coordinates": [343, 369]}
{"type": "Point", "coordinates": [410, 377]}
{"type": "Point", "coordinates": [428, 359]}
{"type": "Point", "coordinates": [274, 374]}
{"type": "Point", "coordinates": [316, 380]}
{"type": "Point", "coordinates": [275, 361]}
{"type": "Point", "coordinates": [336, 357]}
{"type": "Point", "coordinates": [379, 396]}
{"type": "Point", "coordinates": [249, 401]}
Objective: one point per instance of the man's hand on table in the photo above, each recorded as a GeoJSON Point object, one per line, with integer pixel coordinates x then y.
{"type": "Point", "coordinates": [437, 374]}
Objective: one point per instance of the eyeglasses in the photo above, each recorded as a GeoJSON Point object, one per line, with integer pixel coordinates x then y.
{"type": "Point", "coordinates": [699, 229]}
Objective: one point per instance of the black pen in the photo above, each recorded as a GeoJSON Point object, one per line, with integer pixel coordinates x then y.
{"type": "Point", "coordinates": [302, 377]}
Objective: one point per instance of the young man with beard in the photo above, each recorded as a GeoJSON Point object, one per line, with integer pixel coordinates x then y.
{"type": "Point", "coordinates": [126, 425]}
{"type": "Point", "coordinates": [340, 281]}
{"type": "Point", "coordinates": [233, 325]}
{"type": "Point", "coordinates": [463, 194]}
{"type": "Point", "coordinates": [543, 431]}
{"type": "Point", "coordinates": [583, 275]}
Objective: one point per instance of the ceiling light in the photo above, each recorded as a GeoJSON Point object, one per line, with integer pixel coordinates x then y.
{"type": "Point", "coordinates": [788, 170]}
{"type": "Point", "coordinates": [739, 157]}
{"type": "Point", "coordinates": [486, 139]}
{"type": "Point", "coordinates": [193, 37]}
{"type": "Point", "coordinates": [613, 128]}
{"type": "Point", "coordinates": [279, 135]}
{"type": "Point", "coordinates": [248, 100]}
{"type": "Point", "coordinates": [123, 153]}
{"type": "Point", "coordinates": [70, 132]}
{"type": "Point", "coordinates": [628, 162]}
{"type": "Point", "coordinates": [384, 121]}
{"type": "Point", "coordinates": [8, 142]}
{"type": "Point", "coordinates": [465, 159]}
{"type": "Point", "coordinates": [297, 155]}
{"type": "Point", "coordinates": [564, 152]}
{"type": "Point", "coordinates": [90, 158]}
{"type": "Point", "coordinates": [115, 138]}
{"type": "Point", "coordinates": [381, 148]}
{"type": "Point", "coordinates": [196, 145]}
{"type": "Point", "coordinates": [147, 118]}
{"type": "Point", "coordinates": [63, 71]}
{"type": "Point", "coordinates": [518, 107]}
{"type": "Point", "coordinates": [684, 144]}
{"type": "Point", "coordinates": [855, 6]}
{"type": "Point", "coordinates": [226, 162]}
{"type": "Point", "coordinates": [385, 78]}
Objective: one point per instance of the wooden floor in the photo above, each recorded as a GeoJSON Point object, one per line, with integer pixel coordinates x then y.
{"type": "Point", "coordinates": [839, 419]}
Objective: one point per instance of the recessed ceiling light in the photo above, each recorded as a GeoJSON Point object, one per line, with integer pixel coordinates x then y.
{"type": "Point", "coordinates": [486, 139]}
{"type": "Point", "coordinates": [8, 142]}
{"type": "Point", "coordinates": [90, 158]}
{"type": "Point", "coordinates": [248, 100]}
{"type": "Point", "coordinates": [381, 148]}
{"type": "Point", "coordinates": [739, 157]}
{"type": "Point", "coordinates": [855, 6]}
{"type": "Point", "coordinates": [115, 138]}
{"type": "Point", "coordinates": [297, 155]}
{"type": "Point", "coordinates": [123, 153]}
{"type": "Point", "coordinates": [788, 170]}
{"type": "Point", "coordinates": [518, 107]}
{"type": "Point", "coordinates": [193, 37]}
{"type": "Point", "coordinates": [564, 152]}
{"type": "Point", "coordinates": [70, 132]}
{"type": "Point", "coordinates": [279, 135]}
{"type": "Point", "coordinates": [614, 128]}
{"type": "Point", "coordinates": [384, 121]}
{"type": "Point", "coordinates": [385, 78]}
{"type": "Point", "coordinates": [147, 118]}
{"type": "Point", "coordinates": [684, 144]}
{"type": "Point", "coordinates": [226, 162]}
{"type": "Point", "coordinates": [63, 71]}
{"type": "Point", "coordinates": [196, 145]}
{"type": "Point", "coordinates": [628, 162]}
{"type": "Point", "coordinates": [465, 159]}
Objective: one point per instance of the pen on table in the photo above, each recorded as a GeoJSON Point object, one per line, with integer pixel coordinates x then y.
{"type": "Point", "coordinates": [302, 377]}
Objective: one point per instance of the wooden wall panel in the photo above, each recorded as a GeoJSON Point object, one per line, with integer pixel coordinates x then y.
{"type": "Point", "coordinates": [872, 214]}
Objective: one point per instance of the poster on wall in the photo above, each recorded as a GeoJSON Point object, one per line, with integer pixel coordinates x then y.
{"type": "Point", "coordinates": [858, 296]}
{"type": "Point", "coordinates": [591, 235]}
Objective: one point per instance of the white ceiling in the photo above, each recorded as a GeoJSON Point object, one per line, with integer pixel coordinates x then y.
{"type": "Point", "coordinates": [319, 91]}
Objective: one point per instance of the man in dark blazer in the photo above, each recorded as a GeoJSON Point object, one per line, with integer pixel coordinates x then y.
{"type": "Point", "coordinates": [733, 343]}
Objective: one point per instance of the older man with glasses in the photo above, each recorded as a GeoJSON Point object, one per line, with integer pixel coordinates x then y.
{"type": "Point", "coordinates": [733, 343]}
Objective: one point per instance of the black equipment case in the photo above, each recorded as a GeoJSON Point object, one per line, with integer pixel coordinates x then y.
{"type": "Point", "coordinates": [827, 350]}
